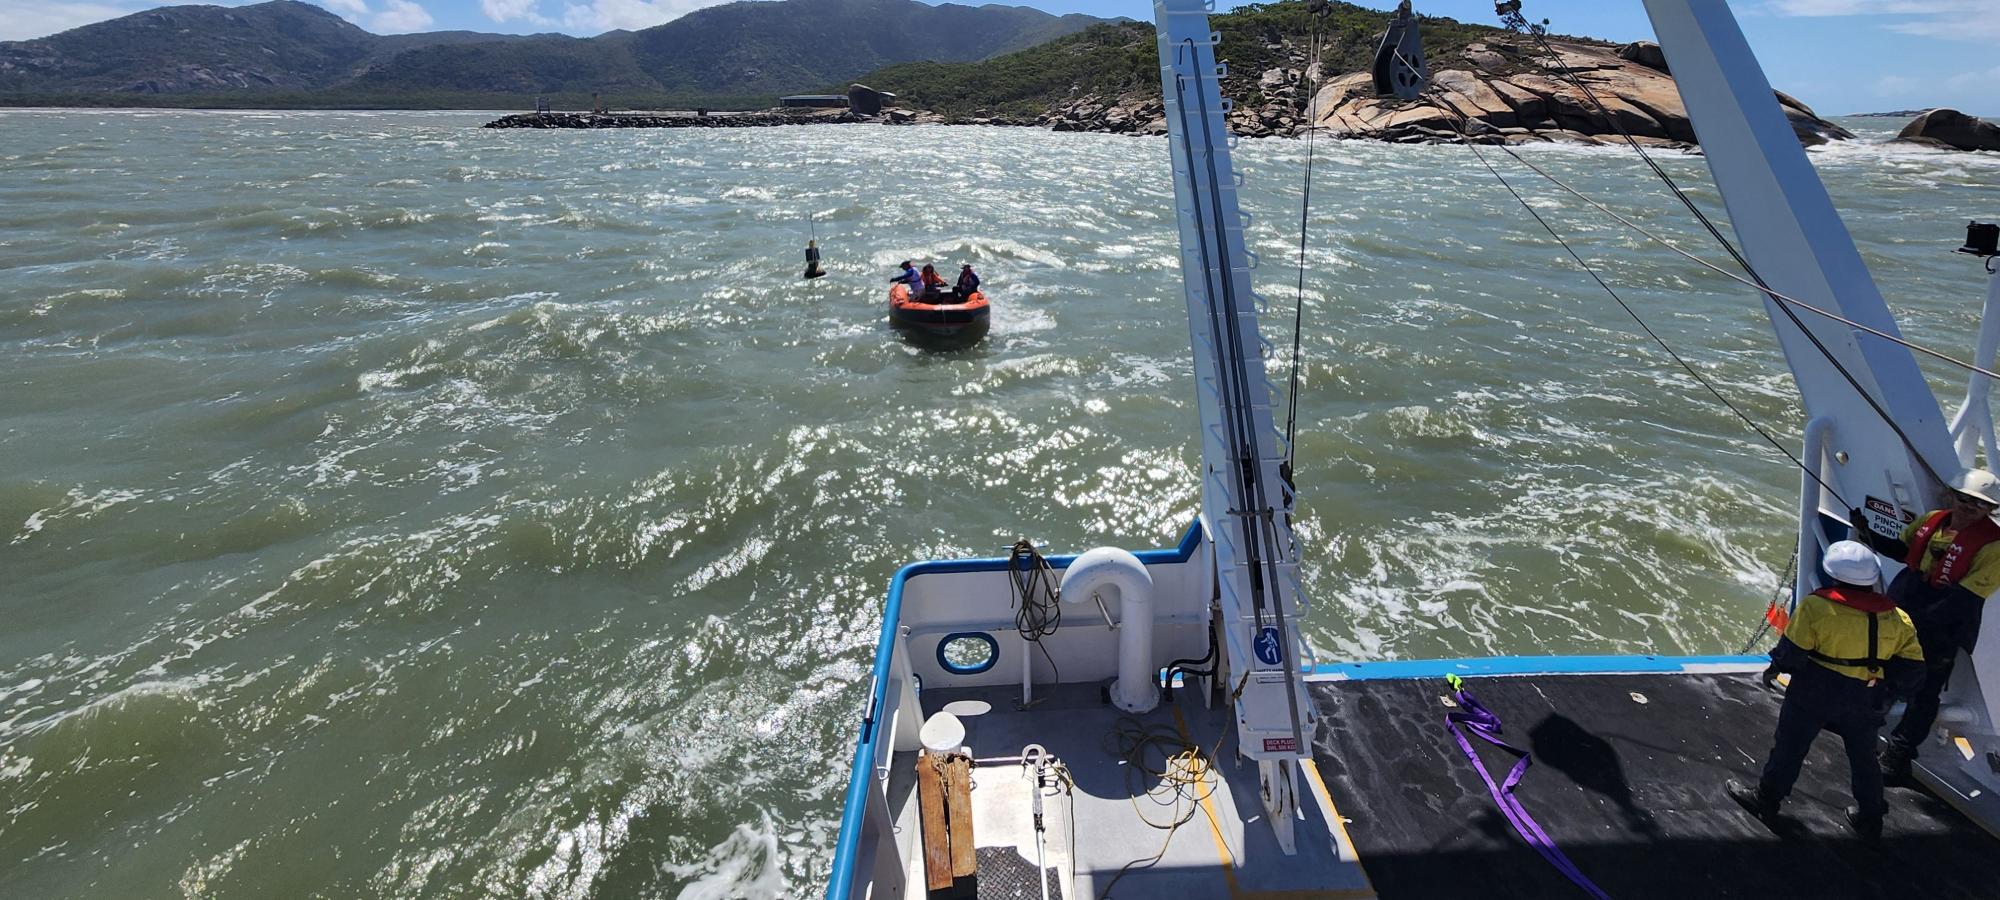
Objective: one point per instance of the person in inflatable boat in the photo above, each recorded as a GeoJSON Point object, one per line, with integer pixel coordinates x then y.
{"type": "Point", "coordinates": [933, 282]}
{"type": "Point", "coordinates": [909, 278]}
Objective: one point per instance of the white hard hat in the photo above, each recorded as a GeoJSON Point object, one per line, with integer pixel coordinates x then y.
{"type": "Point", "coordinates": [1852, 563]}
{"type": "Point", "coordinates": [1978, 483]}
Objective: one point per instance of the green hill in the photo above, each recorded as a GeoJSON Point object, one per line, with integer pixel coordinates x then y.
{"type": "Point", "coordinates": [177, 49]}
{"type": "Point", "coordinates": [291, 54]}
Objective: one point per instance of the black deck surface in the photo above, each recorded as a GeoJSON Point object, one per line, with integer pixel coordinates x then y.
{"type": "Point", "coordinates": [1631, 792]}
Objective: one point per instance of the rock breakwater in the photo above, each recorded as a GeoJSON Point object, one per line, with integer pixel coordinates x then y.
{"type": "Point", "coordinates": [677, 120]}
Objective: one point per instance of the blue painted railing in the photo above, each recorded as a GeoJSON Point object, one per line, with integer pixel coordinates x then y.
{"type": "Point", "coordinates": [858, 778]}
{"type": "Point", "coordinates": [1530, 665]}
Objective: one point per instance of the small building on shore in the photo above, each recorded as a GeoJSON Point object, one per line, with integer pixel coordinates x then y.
{"type": "Point", "coordinates": [825, 101]}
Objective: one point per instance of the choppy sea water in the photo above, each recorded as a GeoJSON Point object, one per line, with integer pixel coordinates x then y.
{"type": "Point", "coordinates": [392, 507]}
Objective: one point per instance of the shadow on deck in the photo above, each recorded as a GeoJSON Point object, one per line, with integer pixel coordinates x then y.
{"type": "Point", "coordinates": [1627, 780]}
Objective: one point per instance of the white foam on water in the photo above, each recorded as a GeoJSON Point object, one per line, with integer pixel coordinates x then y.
{"type": "Point", "coordinates": [744, 865]}
{"type": "Point", "coordinates": [601, 547]}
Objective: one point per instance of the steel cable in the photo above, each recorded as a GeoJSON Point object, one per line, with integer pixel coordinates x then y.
{"type": "Point", "coordinates": [1663, 345]}
{"type": "Point", "coordinates": [1757, 280]}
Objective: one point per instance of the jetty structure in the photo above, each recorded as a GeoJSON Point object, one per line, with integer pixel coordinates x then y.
{"type": "Point", "coordinates": [861, 103]}
{"type": "Point", "coordinates": [685, 119]}
{"type": "Point", "coordinates": [1154, 723]}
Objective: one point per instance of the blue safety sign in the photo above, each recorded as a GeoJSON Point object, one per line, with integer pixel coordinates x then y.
{"type": "Point", "coordinates": [1266, 646]}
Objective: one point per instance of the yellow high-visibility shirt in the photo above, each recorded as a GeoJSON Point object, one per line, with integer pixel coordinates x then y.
{"type": "Point", "coordinates": [1836, 630]}
{"type": "Point", "coordinates": [1984, 576]}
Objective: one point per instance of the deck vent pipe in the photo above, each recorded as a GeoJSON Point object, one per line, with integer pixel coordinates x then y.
{"type": "Point", "coordinates": [1111, 573]}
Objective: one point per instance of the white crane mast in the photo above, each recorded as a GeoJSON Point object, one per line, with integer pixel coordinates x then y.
{"type": "Point", "coordinates": [1244, 502]}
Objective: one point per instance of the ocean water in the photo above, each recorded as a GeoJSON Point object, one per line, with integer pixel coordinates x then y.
{"type": "Point", "coordinates": [391, 507]}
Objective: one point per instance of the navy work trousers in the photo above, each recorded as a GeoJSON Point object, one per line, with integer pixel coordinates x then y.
{"type": "Point", "coordinates": [1822, 699]}
{"type": "Point", "coordinates": [1921, 712]}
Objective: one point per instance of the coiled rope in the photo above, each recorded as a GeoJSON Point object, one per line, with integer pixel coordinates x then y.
{"type": "Point", "coordinates": [1037, 604]}
{"type": "Point", "coordinates": [1167, 769]}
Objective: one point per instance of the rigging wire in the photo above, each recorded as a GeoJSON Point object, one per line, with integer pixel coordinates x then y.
{"type": "Point", "coordinates": [1540, 37]}
{"type": "Point", "coordinates": [1452, 115]}
{"type": "Point", "coordinates": [1769, 618]}
{"type": "Point", "coordinates": [1299, 306]}
{"type": "Point", "coordinates": [1782, 298]}
{"type": "Point", "coordinates": [1262, 558]}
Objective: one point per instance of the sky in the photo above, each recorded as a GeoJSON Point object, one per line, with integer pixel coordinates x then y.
{"type": "Point", "coordinates": [1839, 56]}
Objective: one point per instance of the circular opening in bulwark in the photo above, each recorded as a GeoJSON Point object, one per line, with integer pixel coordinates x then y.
{"type": "Point", "coordinates": [968, 652]}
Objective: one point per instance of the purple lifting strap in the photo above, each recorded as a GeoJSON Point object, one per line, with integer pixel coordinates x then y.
{"type": "Point", "coordinates": [1486, 725]}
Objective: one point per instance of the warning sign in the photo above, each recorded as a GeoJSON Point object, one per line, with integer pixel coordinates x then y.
{"type": "Point", "coordinates": [1885, 519]}
{"type": "Point", "coordinates": [1281, 745]}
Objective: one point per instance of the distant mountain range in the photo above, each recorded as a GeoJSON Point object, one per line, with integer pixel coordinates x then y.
{"type": "Point", "coordinates": [289, 54]}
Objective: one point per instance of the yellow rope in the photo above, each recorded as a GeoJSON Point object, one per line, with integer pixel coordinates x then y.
{"type": "Point", "coordinates": [1185, 774]}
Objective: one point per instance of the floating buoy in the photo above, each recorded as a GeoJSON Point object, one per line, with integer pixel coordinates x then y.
{"type": "Point", "coordinates": [813, 269]}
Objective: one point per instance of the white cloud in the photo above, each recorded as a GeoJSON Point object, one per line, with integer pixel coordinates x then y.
{"type": "Point", "coordinates": [22, 20]}
{"type": "Point", "coordinates": [605, 15]}
{"type": "Point", "coordinates": [1894, 85]}
{"type": "Point", "coordinates": [509, 10]}
{"type": "Point", "coordinates": [1960, 20]}
{"type": "Point", "coordinates": [352, 10]}
{"type": "Point", "coordinates": [399, 16]}
{"type": "Point", "coordinates": [1877, 7]}
{"type": "Point", "coordinates": [1978, 28]}
{"type": "Point", "coordinates": [1970, 81]}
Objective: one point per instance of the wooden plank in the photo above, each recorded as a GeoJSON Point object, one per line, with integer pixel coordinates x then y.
{"type": "Point", "coordinates": [936, 833]}
{"type": "Point", "coordinates": [958, 809]}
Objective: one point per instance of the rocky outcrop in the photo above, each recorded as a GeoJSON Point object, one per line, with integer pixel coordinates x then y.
{"type": "Point", "coordinates": [1492, 92]}
{"type": "Point", "coordinates": [1951, 129]}
{"type": "Point", "coordinates": [1501, 92]}
{"type": "Point", "coordinates": [1132, 113]}
{"type": "Point", "coordinates": [867, 101]}
{"type": "Point", "coordinates": [1645, 53]}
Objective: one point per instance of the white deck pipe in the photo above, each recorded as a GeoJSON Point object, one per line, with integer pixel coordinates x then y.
{"type": "Point", "coordinates": [1114, 573]}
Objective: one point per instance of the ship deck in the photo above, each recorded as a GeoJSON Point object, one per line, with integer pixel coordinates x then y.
{"type": "Point", "coordinates": [1134, 833]}
{"type": "Point", "coordinates": [1627, 780]}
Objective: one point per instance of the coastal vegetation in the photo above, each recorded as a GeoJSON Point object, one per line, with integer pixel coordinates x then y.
{"type": "Point", "coordinates": [1114, 59]}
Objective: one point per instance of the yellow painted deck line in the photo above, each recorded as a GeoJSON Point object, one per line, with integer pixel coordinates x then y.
{"type": "Point", "coordinates": [1340, 824]}
{"type": "Point", "coordinates": [1224, 858]}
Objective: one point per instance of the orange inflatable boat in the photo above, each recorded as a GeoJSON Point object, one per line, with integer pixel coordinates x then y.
{"type": "Point", "coordinates": [944, 315]}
